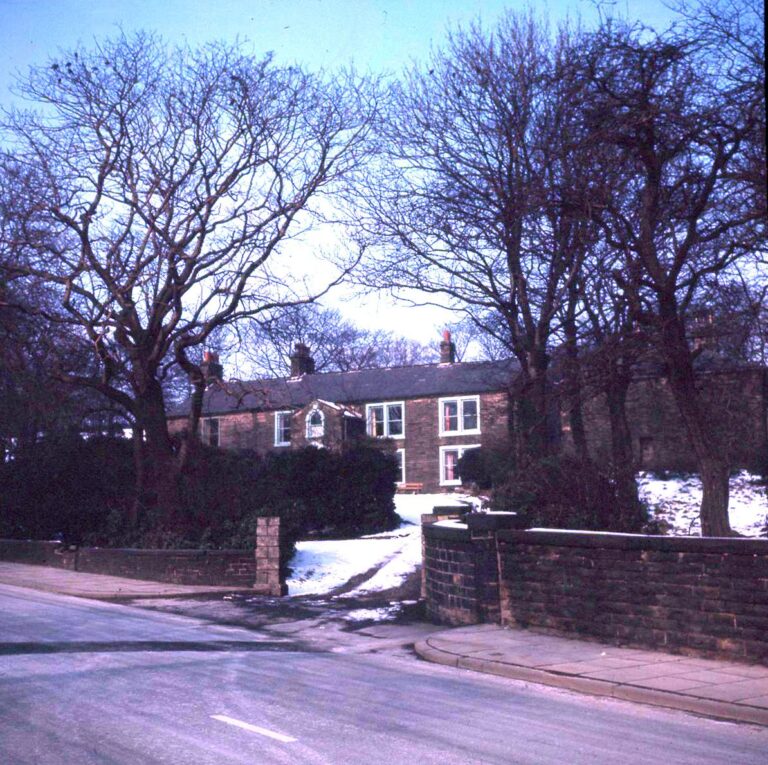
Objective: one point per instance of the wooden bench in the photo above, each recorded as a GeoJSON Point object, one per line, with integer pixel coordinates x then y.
{"type": "Point", "coordinates": [410, 488]}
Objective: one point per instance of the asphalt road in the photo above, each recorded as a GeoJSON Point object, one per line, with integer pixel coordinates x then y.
{"type": "Point", "coordinates": [88, 682]}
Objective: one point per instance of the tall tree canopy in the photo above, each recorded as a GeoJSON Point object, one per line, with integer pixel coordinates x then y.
{"type": "Point", "coordinates": [158, 187]}
{"type": "Point", "coordinates": [336, 343]}
{"type": "Point", "coordinates": [482, 202]}
{"type": "Point", "coordinates": [578, 187]}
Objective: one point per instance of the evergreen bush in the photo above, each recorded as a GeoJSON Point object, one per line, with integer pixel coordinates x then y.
{"type": "Point", "coordinates": [80, 491]}
{"type": "Point", "coordinates": [565, 492]}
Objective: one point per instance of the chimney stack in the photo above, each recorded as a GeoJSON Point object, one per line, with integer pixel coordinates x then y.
{"type": "Point", "coordinates": [301, 362]}
{"type": "Point", "coordinates": [447, 349]}
{"type": "Point", "coordinates": [211, 368]}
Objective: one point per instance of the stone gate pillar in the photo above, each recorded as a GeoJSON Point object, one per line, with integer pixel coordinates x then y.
{"type": "Point", "coordinates": [268, 580]}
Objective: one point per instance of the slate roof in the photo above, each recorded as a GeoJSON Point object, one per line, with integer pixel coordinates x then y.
{"type": "Point", "coordinates": [360, 386]}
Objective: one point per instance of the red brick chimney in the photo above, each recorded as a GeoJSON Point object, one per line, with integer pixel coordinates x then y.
{"type": "Point", "coordinates": [447, 349]}
{"type": "Point", "coordinates": [211, 368]}
{"type": "Point", "coordinates": [301, 362]}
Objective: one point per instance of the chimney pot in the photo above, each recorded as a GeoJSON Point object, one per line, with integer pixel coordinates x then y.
{"type": "Point", "coordinates": [301, 361]}
{"type": "Point", "coordinates": [211, 368]}
{"type": "Point", "coordinates": [447, 349]}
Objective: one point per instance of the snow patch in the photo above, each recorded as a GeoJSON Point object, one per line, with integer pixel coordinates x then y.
{"type": "Point", "coordinates": [321, 566]}
{"type": "Point", "coordinates": [675, 501]}
{"type": "Point", "coordinates": [384, 613]}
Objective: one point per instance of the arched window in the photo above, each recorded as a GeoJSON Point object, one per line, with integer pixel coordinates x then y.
{"type": "Point", "coordinates": [315, 424]}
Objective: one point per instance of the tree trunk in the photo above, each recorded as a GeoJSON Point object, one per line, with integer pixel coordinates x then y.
{"type": "Point", "coordinates": [573, 391]}
{"type": "Point", "coordinates": [161, 466]}
{"type": "Point", "coordinates": [631, 516]}
{"type": "Point", "coordinates": [192, 440]}
{"type": "Point", "coordinates": [715, 475]}
{"type": "Point", "coordinates": [713, 463]}
{"type": "Point", "coordinates": [533, 409]}
{"type": "Point", "coordinates": [137, 506]}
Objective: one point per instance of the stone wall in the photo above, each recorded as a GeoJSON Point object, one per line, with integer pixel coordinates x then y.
{"type": "Point", "coordinates": [268, 579]}
{"type": "Point", "coordinates": [259, 569]}
{"type": "Point", "coordinates": [460, 571]}
{"type": "Point", "coordinates": [450, 582]}
{"type": "Point", "coordinates": [236, 568]}
{"type": "Point", "coordinates": [683, 594]}
{"type": "Point", "coordinates": [37, 553]}
{"type": "Point", "coordinates": [706, 595]}
{"type": "Point", "coordinates": [736, 401]}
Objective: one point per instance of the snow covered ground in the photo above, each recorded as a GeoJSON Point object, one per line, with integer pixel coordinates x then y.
{"type": "Point", "coordinates": [383, 562]}
{"type": "Point", "coordinates": [322, 566]}
{"type": "Point", "coordinates": [675, 502]}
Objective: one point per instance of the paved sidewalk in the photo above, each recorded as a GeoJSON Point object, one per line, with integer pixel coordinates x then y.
{"type": "Point", "coordinates": [722, 689]}
{"type": "Point", "coordinates": [98, 586]}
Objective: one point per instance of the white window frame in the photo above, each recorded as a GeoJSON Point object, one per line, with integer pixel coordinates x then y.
{"type": "Point", "coordinates": [460, 448]}
{"type": "Point", "coordinates": [278, 416]}
{"type": "Point", "coordinates": [402, 480]}
{"type": "Point", "coordinates": [385, 405]}
{"type": "Point", "coordinates": [307, 426]}
{"type": "Point", "coordinates": [459, 400]}
{"type": "Point", "coordinates": [205, 431]}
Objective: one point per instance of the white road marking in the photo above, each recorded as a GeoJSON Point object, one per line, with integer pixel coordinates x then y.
{"type": "Point", "coordinates": [254, 728]}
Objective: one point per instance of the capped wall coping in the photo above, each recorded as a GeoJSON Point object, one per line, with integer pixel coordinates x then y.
{"type": "Point", "coordinates": [616, 541]}
{"type": "Point", "coordinates": [455, 533]}
{"type": "Point", "coordinates": [152, 552]}
{"type": "Point", "coordinates": [495, 521]}
{"type": "Point", "coordinates": [459, 509]}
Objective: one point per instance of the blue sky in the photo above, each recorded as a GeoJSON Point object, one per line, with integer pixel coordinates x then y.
{"type": "Point", "coordinates": [377, 35]}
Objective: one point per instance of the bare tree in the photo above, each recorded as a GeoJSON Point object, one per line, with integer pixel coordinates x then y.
{"type": "Point", "coordinates": [159, 186]}
{"type": "Point", "coordinates": [685, 211]}
{"type": "Point", "coordinates": [610, 347]}
{"type": "Point", "coordinates": [337, 344]}
{"type": "Point", "coordinates": [483, 200]}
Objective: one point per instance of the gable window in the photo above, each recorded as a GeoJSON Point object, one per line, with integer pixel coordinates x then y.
{"type": "Point", "coordinates": [400, 454]}
{"type": "Point", "coordinates": [386, 420]}
{"type": "Point", "coordinates": [449, 463]}
{"type": "Point", "coordinates": [315, 424]}
{"type": "Point", "coordinates": [210, 431]}
{"type": "Point", "coordinates": [283, 428]}
{"type": "Point", "coordinates": [459, 415]}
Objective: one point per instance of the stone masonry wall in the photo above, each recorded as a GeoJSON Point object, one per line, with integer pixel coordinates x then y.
{"type": "Point", "coordinates": [268, 579]}
{"type": "Point", "coordinates": [682, 594]}
{"type": "Point", "coordinates": [736, 402]}
{"type": "Point", "coordinates": [234, 568]}
{"type": "Point", "coordinates": [708, 596]}
{"type": "Point", "coordinates": [450, 583]}
{"type": "Point", "coordinates": [38, 553]}
{"type": "Point", "coordinates": [259, 569]}
{"type": "Point", "coordinates": [461, 572]}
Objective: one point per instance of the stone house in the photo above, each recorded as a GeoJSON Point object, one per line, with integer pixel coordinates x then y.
{"type": "Point", "coordinates": [430, 413]}
{"type": "Point", "coordinates": [433, 413]}
{"type": "Point", "coordinates": [735, 394]}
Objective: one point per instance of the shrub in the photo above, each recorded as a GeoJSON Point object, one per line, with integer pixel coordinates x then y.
{"type": "Point", "coordinates": [485, 468]}
{"type": "Point", "coordinates": [348, 492]}
{"type": "Point", "coordinates": [565, 492]}
{"type": "Point", "coordinates": [81, 491]}
{"type": "Point", "coordinates": [65, 488]}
